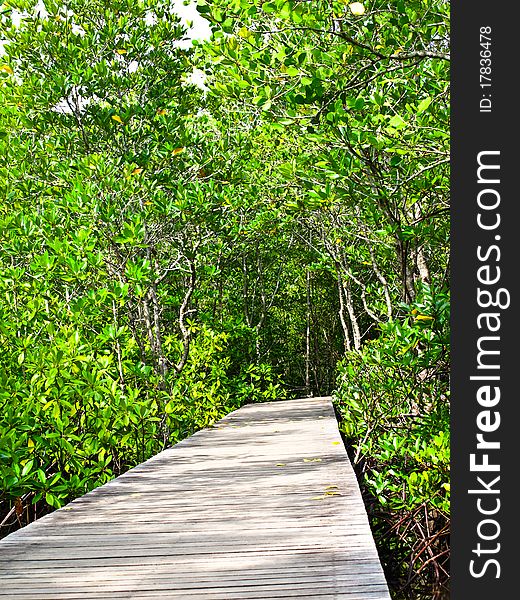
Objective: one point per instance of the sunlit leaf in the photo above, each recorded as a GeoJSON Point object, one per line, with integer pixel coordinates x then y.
{"type": "Point", "coordinates": [357, 8]}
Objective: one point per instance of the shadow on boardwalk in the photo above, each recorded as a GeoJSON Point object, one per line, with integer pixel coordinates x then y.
{"type": "Point", "coordinates": [262, 505]}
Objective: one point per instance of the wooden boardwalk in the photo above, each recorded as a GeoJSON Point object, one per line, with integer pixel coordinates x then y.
{"type": "Point", "coordinates": [262, 505]}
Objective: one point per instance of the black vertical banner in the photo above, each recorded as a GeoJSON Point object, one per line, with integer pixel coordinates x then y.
{"type": "Point", "coordinates": [485, 248]}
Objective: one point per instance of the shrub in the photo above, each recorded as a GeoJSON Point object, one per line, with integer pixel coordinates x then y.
{"type": "Point", "coordinates": [393, 399]}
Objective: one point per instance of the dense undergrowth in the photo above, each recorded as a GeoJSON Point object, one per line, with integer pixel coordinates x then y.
{"type": "Point", "coordinates": [393, 398]}
{"type": "Point", "coordinates": [68, 425]}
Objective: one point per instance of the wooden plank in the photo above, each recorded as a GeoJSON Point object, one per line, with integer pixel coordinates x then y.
{"type": "Point", "coordinates": [106, 573]}
{"type": "Point", "coordinates": [260, 558]}
{"type": "Point", "coordinates": [264, 504]}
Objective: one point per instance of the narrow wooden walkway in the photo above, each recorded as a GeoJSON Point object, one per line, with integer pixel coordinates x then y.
{"type": "Point", "coordinates": [262, 505]}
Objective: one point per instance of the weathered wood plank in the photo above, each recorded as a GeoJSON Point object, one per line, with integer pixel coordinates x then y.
{"type": "Point", "coordinates": [262, 505]}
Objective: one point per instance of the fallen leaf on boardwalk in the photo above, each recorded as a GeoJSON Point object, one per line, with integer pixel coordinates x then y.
{"type": "Point", "coordinates": [318, 498]}
{"type": "Point", "coordinates": [281, 465]}
{"type": "Point", "coordinates": [331, 487]}
{"type": "Point", "coordinates": [335, 443]}
{"type": "Point", "coordinates": [312, 460]}
{"type": "Point", "coordinates": [332, 494]}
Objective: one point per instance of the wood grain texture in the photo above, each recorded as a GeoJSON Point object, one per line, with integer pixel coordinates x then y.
{"type": "Point", "coordinates": [264, 504]}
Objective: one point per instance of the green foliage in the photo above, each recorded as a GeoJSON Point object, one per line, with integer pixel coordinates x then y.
{"type": "Point", "coordinates": [210, 385]}
{"type": "Point", "coordinates": [393, 397]}
{"type": "Point", "coordinates": [109, 233]}
{"type": "Point", "coordinates": [68, 425]}
{"type": "Point", "coordinates": [170, 252]}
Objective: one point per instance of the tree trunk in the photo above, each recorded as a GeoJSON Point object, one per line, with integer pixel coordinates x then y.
{"type": "Point", "coordinates": [342, 315]}
{"type": "Point", "coordinates": [422, 266]}
{"type": "Point", "coordinates": [308, 337]}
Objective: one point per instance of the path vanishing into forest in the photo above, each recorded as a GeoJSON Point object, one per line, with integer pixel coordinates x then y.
{"type": "Point", "coordinates": [264, 504]}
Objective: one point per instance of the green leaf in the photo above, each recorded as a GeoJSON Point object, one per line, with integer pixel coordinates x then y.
{"type": "Point", "coordinates": [424, 104]}
{"type": "Point", "coordinates": [27, 467]}
{"type": "Point", "coordinates": [397, 122]}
